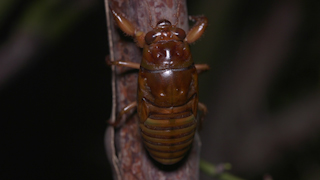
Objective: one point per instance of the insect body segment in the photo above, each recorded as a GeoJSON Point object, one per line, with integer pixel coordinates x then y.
{"type": "Point", "coordinates": [167, 101]}
{"type": "Point", "coordinates": [167, 111]}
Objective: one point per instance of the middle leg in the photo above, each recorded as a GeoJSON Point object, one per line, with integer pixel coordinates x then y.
{"type": "Point", "coordinates": [202, 67]}
{"type": "Point", "coordinates": [123, 63]}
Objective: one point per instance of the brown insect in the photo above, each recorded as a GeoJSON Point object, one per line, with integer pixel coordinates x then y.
{"type": "Point", "coordinates": [167, 101]}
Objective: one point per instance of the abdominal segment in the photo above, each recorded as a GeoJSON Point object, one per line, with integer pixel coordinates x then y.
{"type": "Point", "coordinates": [168, 139]}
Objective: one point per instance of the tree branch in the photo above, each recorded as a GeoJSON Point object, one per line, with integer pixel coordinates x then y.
{"type": "Point", "coordinates": [125, 150]}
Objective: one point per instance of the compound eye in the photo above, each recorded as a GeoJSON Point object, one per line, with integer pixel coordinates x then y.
{"type": "Point", "coordinates": [180, 33]}
{"type": "Point", "coordinates": [150, 37]}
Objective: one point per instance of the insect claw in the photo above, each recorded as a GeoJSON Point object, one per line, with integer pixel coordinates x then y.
{"type": "Point", "coordinates": [108, 60]}
{"type": "Point", "coordinates": [128, 28]}
{"type": "Point", "coordinates": [117, 123]}
{"type": "Point", "coordinates": [193, 18]}
{"type": "Point", "coordinates": [114, 124]}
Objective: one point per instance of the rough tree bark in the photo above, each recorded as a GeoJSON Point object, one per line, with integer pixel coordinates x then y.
{"type": "Point", "coordinates": [125, 151]}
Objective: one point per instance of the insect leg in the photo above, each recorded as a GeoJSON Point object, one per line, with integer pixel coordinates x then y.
{"type": "Point", "coordinates": [119, 121]}
{"type": "Point", "coordinates": [127, 27]}
{"type": "Point", "coordinates": [197, 30]}
{"type": "Point", "coordinates": [201, 67]}
{"type": "Point", "coordinates": [124, 63]}
{"type": "Point", "coordinates": [204, 110]}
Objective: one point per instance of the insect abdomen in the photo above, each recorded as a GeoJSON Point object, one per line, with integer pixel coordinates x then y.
{"type": "Point", "coordinates": [168, 140]}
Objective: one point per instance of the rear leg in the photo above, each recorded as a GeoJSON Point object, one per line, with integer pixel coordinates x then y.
{"type": "Point", "coordinates": [204, 110]}
{"type": "Point", "coordinates": [119, 120]}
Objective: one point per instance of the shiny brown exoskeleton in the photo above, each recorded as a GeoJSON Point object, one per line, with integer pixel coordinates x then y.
{"type": "Point", "coordinates": [167, 101]}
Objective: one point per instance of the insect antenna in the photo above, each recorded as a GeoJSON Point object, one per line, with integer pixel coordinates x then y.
{"type": "Point", "coordinates": [178, 13]}
{"type": "Point", "coordinates": [150, 17]}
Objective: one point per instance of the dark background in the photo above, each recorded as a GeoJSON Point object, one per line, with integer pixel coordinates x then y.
{"type": "Point", "coordinates": [262, 91]}
{"type": "Point", "coordinates": [54, 109]}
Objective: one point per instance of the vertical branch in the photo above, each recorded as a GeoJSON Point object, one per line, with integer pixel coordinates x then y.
{"type": "Point", "coordinates": [125, 150]}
